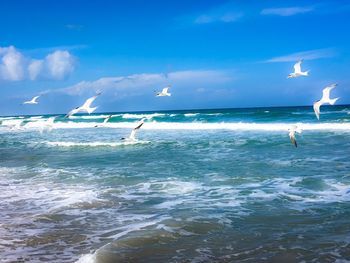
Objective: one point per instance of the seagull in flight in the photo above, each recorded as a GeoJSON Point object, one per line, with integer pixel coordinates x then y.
{"type": "Point", "coordinates": [297, 71]}
{"type": "Point", "coordinates": [32, 101]}
{"type": "Point", "coordinates": [105, 120]}
{"type": "Point", "coordinates": [292, 130]}
{"type": "Point", "coordinates": [325, 99]}
{"type": "Point", "coordinates": [133, 132]}
{"type": "Point", "coordinates": [164, 92]}
{"type": "Point", "coordinates": [85, 108]}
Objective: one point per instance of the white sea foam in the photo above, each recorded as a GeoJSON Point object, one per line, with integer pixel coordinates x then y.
{"type": "Point", "coordinates": [239, 126]}
{"type": "Point", "coordinates": [36, 117]}
{"type": "Point", "coordinates": [10, 118]}
{"type": "Point", "coordinates": [139, 116]}
{"type": "Point", "coordinates": [10, 122]}
{"type": "Point", "coordinates": [13, 124]}
{"type": "Point", "coordinates": [38, 193]}
{"type": "Point", "coordinates": [88, 258]}
{"type": "Point", "coordinates": [91, 117]}
{"type": "Point", "coordinates": [95, 144]}
{"type": "Point", "coordinates": [191, 114]}
{"type": "Point", "coordinates": [123, 230]}
{"type": "Point", "coordinates": [169, 204]}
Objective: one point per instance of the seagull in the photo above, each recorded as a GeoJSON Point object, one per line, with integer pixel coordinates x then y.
{"type": "Point", "coordinates": [292, 130]}
{"type": "Point", "coordinates": [325, 99]}
{"type": "Point", "coordinates": [133, 132]}
{"type": "Point", "coordinates": [164, 92]}
{"type": "Point", "coordinates": [297, 71]}
{"type": "Point", "coordinates": [105, 121]}
{"type": "Point", "coordinates": [85, 108]}
{"type": "Point", "coordinates": [32, 101]}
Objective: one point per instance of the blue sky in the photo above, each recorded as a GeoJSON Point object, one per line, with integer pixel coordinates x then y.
{"type": "Point", "coordinates": [215, 54]}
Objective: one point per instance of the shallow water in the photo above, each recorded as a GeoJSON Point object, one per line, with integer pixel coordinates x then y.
{"type": "Point", "coordinates": [196, 187]}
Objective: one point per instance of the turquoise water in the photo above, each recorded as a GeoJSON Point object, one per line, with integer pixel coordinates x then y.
{"type": "Point", "coordinates": [197, 186]}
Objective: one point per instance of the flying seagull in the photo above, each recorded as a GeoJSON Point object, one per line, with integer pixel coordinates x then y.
{"type": "Point", "coordinates": [32, 101]}
{"type": "Point", "coordinates": [85, 108]}
{"type": "Point", "coordinates": [133, 132]}
{"type": "Point", "coordinates": [292, 130]}
{"type": "Point", "coordinates": [297, 71]}
{"type": "Point", "coordinates": [325, 99]}
{"type": "Point", "coordinates": [105, 120]}
{"type": "Point", "coordinates": [164, 92]}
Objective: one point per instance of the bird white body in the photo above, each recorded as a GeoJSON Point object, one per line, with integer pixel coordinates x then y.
{"type": "Point", "coordinates": [297, 71]}
{"type": "Point", "coordinates": [32, 101]}
{"type": "Point", "coordinates": [325, 99]}
{"type": "Point", "coordinates": [86, 107]}
{"type": "Point", "coordinates": [164, 92]}
{"type": "Point", "coordinates": [105, 121]}
{"type": "Point", "coordinates": [292, 130]}
{"type": "Point", "coordinates": [132, 136]}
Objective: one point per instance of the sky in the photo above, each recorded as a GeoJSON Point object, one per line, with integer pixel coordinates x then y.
{"type": "Point", "coordinates": [214, 54]}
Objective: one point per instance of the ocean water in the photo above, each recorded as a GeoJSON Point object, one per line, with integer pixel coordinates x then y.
{"type": "Point", "coordinates": [197, 186]}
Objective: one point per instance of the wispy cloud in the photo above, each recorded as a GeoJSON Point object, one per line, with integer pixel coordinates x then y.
{"type": "Point", "coordinates": [227, 17]}
{"type": "Point", "coordinates": [75, 27]}
{"type": "Point", "coordinates": [15, 66]}
{"type": "Point", "coordinates": [223, 13]}
{"type": "Point", "coordinates": [306, 55]}
{"type": "Point", "coordinates": [41, 50]}
{"type": "Point", "coordinates": [287, 11]}
{"type": "Point", "coordinates": [138, 83]}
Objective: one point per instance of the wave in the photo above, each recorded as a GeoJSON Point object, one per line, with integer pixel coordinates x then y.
{"type": "Point", "coordinates": [91, 117]}
{"type": "Point", "coordinates": [35, 117]}
{"type": "Point", "coordinates": [95, 144]}
{"type": "Point", "coordinates": [191, 114]}
{"type": "Point", "coordinates": [238, 126]}
{"type": "Point", "coordinates": [88, 258]}
{"type": "Point", "coordinates": [139, 116]}
{"type": "Point", "coordinates": [235, 126]}
{"type": "Point", "coordinates": [10, 118]}
{"type": "Point", "coordinates": [52, 197]}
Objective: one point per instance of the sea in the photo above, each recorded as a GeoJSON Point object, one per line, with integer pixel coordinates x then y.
{"type": "Point", "coordinates": [222, 185]}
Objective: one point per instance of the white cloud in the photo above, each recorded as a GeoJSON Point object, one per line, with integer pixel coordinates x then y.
{"type": "Point", "coordinates": [306, 55]}
{"type": "Point", "coordinates": [224, 13]}
{"type": "Point", "coordinates": [225, 17]}
{"type": "Point", "coordinates": [59, 64]}
{"type": "Point", "coordinates": [15, 66]}
{"type": "Point", "coordinates": [35, 68]}
{"type": "Point", "coordinates": [12, 67]}
{"type": "Point", "coordinates": [203, 19]}
{"type": "Point", "coordinates": [76, 27]}
{"type": "Point", "coordinates": [286, 11]}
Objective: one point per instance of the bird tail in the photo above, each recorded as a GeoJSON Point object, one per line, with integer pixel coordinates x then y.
{"type": "Point", "coordinates": [333, 101]}
{"type": "Point", "coordinates": [91, 110]}
{"type": "Point", "coordinates": [307, 73]}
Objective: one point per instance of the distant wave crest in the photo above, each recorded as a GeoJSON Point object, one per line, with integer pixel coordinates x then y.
{"type": "Point", "coordinates": [239, 126]}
